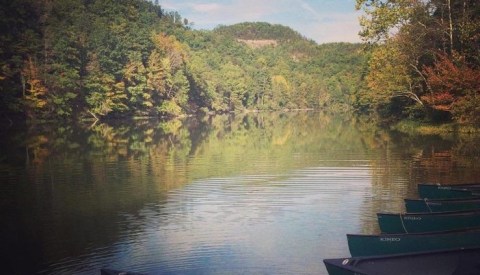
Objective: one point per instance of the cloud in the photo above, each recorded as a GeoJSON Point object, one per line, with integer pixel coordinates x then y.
{"type": "Point", "coordinates": [206, 7]}
{"type": "Point", "coordinates": [207, 14]}
{"type": "Point", "coordinates": [336, 27]}
{"type": "Point", "coordinates": [330, 22]}
{"type": "Point", "coordinates": [308, 8]}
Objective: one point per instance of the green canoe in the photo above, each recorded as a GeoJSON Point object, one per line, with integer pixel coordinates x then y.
{"type": "Point", "coordinates": [386, 244]}
{"type": "Point", "coordinates": [447, 262]}
{"type": "Point", "coordinates": [438, 191]}
{"type": "Point", "coordinates": [105, 271]}
{"type": "Point", "coordinates": [446, 205]}
{"type": "Point", "coordinates": [394, 223]}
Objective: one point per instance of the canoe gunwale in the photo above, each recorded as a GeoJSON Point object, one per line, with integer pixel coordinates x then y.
{"type": "Point", "coordinates": [357, 260]}
{"type": "Point", "coordinates": [439, 191]}
{"type": "Point", "coordinates": [448, 213]}
{"type": "Point", "coordinates": [435, 233]}
{"type": "Point", "coordinates": [107, 271]}
{"type": "Point", "coordinates": [350, 264]}
{"type": "Point", "coordinates": [427, 222]}
{"type": "Point", "coordinates": [448, 200]}
{"type": "Point", "coordinates": [441, 205]}
{"type": "Point", "coordinates": [464, 185]}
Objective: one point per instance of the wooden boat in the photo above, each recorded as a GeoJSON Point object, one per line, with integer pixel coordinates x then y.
{"type": "Point", "coordinates": [386, 244]}
{"type": "Point", "coordinates": [394, 223]}
{"type": "Point", "coordinates": [446, 205]}
{"type": "Point", "coordinates": [105, 271]}
{"type": "Point", "coordinates": [446, 262]}
{"type": "Point", "coordinates": [438, 191]}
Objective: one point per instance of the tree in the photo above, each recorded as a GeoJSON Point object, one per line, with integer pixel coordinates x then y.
{"type": "Point", "coordinates": [65, 32]}
{"type": "Point", "coordinates": [135, 79]}
{"type": "Point", "coordinates": [20, 36]}
{"type": "Point", "coordinates": [422, 41]}
{"type": "Point", "coordinates": [103, 94]}
{"type": "Point", "coordinates": [35, 92]}
{"type": "Point", "coordinates": [167, 77]}
{"type": "Point", "coordinates": [102, 58]}
{"type": "Point", "coordinates": [281, 91]}
{"type": "Point", "coordinates": [456, 88]}
{"type": "Point", "coordinates": [383, 17]}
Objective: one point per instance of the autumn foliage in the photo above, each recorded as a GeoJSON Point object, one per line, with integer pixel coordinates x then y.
{"type": "Point", "coordinates": [98, 60]}
{"type": "Point", "coordinates": [434, 46]}
{"type": "Point", "coordinates": [34, 91]}
{"type": "Point", "coordinates": [454, 85]}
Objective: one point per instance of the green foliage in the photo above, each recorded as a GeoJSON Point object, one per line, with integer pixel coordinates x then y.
{"type": "Point", "coordinates": [106, 58]}
{"type": "Point", "coordinates": [467, 109]}
{"type": "Point", "coordinates": [20, 40]}
{"type": "Point", "coordinates": [105, 96]}
{"type": "Point", "coordinates": [428, 55]}
{"type": "Point", "coordinates": [170, 108]}
{"type": "Point", "coordinates": [278, 70]}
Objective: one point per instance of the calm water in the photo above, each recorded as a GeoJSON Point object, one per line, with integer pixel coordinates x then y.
{"type": "Point", "coordinates": [253, 194]}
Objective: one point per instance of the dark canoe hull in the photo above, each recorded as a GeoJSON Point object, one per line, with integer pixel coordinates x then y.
{"type": "Point", "coordinates": [117, 272]}
{"type": "Point", "coordinates": [437, 191]}
{"type": "Point", "coordinates": [419, 205]}
{"type": "Point", "coordinates": [391, 223]}
{"type": "Point", "coordinates": [387, 244]}
{"type": "Point", "coordinates": [449, 262]}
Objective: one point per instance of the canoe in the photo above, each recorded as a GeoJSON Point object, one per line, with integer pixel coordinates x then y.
{"type": "Point", "coordinates": [438, 191]}
{"type": "Point", "coordinates": [386, 244]}
{"type": "Point", "coordinates": [446, 262]}
{"type": "Point", "coordinates": [446, 205]}
{"type": "Point", "coordinates": [394, 223]}
{"type": "Point", "coordinates": [105, 271]}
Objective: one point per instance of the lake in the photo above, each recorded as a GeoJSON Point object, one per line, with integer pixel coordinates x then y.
{"type": "Point", "coordinates": [262, 193]}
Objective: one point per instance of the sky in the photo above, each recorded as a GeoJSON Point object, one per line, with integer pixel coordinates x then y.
{"type": "Point", "coordinates": [321, 20]}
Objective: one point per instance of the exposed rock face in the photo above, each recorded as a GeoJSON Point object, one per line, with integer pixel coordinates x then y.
{"type": "Point", "coordinates": [258, 43]}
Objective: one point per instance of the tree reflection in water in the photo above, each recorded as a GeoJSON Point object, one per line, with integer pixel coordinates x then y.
{"type": "Point", "coordinates": [72, 194]}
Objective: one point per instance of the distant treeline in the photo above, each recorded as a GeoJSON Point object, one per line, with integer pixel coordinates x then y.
{"type": "Point", "coordinates": [65, 59]}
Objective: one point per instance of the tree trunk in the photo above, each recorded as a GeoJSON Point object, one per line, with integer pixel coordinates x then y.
{"type": "Point", "coordinates": [450, 22]}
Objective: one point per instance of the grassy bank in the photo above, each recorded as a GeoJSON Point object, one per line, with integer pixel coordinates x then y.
{"type": "Point", "coordinates": [423, 128]}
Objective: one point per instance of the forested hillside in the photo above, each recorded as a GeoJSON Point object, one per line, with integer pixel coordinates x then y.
{"type": "Point", "coordinates": [77, 59]}
{"type": "Point", "coordinates": [426, 59]}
